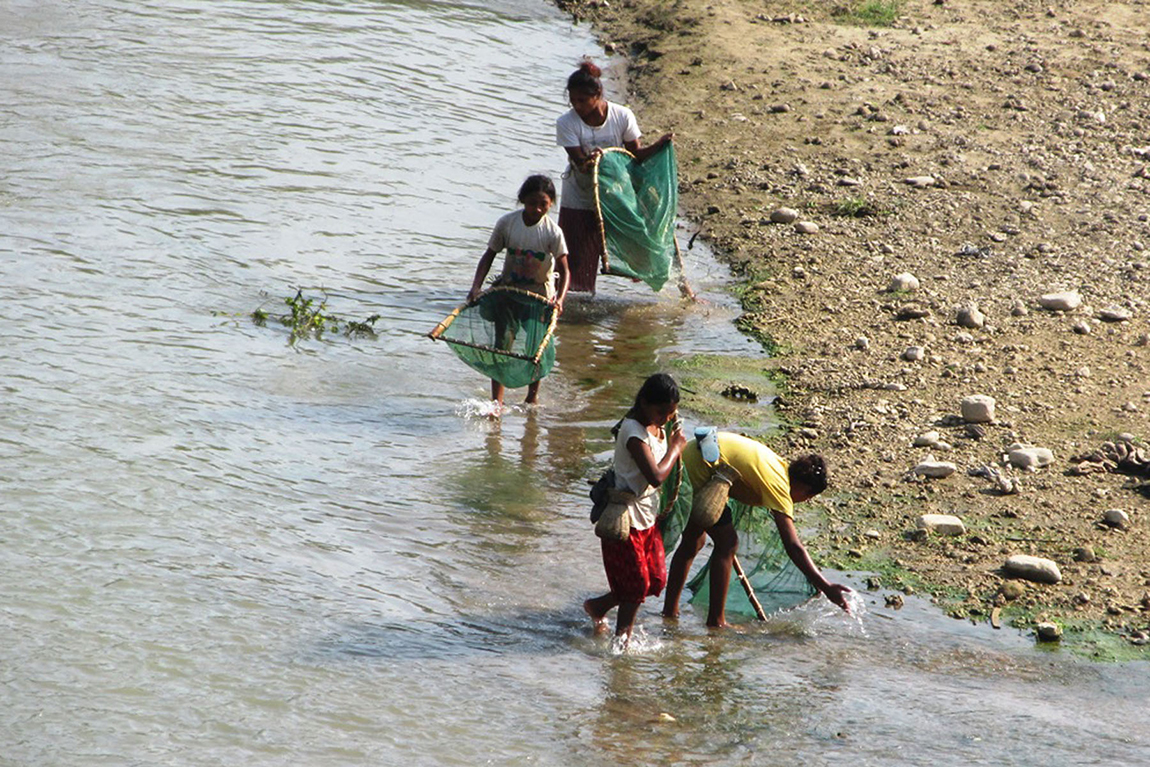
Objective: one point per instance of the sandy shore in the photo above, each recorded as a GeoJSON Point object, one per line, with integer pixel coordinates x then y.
{"type": "Point", "coordinates": [944, 173]}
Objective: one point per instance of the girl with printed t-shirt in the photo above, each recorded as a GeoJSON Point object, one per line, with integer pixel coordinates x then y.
{"type": "Point", "coordinates": [592, 124]}
{"type": "Point", "coordinates": [536, 252]}
{"type": "Point", "coordinates": [636, 568]}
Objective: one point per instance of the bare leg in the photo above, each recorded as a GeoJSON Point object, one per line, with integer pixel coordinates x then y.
{"type": "Point", "coordinates": [726, 543]}
{"type": "Point", "coordinates": [497, 397]}
{"type": "Point", "coordinates": [597, 609]}
{"type": "Point", "coordinates": [625, 621]}
{"type": "Point", "coordinates": [533, 393]}
{"type": "Point", "coordinates": [689, 545]}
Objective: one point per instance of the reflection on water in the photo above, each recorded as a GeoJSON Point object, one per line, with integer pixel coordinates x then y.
{"type": "Point", "coordinates": [220, 548]}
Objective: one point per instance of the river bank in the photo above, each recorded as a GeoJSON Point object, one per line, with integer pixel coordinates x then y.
{"type": "Point", "coordinates": [898, 200]}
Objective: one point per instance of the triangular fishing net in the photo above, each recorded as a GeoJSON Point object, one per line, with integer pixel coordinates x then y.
{"type": "Point", "coordinates": [777, 582]}
{"type": "Point", "coordinates": [505, 333]}
{"type": "Point", "coordinates": [637, 203]}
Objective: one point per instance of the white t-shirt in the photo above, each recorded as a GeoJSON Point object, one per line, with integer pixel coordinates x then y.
{"type": "Point", "coordinates": [531, 252]}
{"type": "Point", "coordinates": [570, 131]}
{"type": "Point", "coordinates": [628, 476]}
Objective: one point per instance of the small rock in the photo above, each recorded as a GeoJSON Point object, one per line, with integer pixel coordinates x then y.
{"type": "Point", "coordinates": [1082, 328]}
{"type": "Point", "coordinates": [1084, 554]}
{"type": "Point", "coordinates": [1012, 590]}
{"type": "Point", "coordinates": [942, 524]}
{"type": "Point", "coordinates": [904, 282]}
{"type": "Point", "coordinates": [935, 469]}
{"type": "Point", "coordinates": [1116, 518]}
{"type": "Point", "coordinates": [784, 215]}
{"type": "Point", "coordinates": [1032, 568]}
{"type": "Point", "coordinates": [927, 439]}
{"type": "Point", "coordinates": [920, 182]}
{"type": "Point", "coordinates": [894, 601]}
{"type": "Point", "coordinates": [1114, 314]}
{"type": "Point", "coordinates": [1061, 302]}
{"type": "Point", "coordinates": [1030, 457]}
{"type": "Point", "coordinates": [978, 408]}
{"type": "Point", "coordinates": [1048, 632]}
{"type": "Point", "coordinates": [806, 227]}
{"type": "Point", "coordinates": [862, 343]}
{"type": "Point", "coordinates": [1018, 308]}
{"type": "Point", "coordinates": [911, 312]}
{"type": "Point", "coordinates": [914, 354]}
{"type": "Point", "coordinates": [970, 317]}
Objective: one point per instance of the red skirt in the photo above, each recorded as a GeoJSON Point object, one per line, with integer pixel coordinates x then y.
{"type": "Point", "coordinates": [584, 236]}
{"type": "Point", "coordinates": [637, 567]}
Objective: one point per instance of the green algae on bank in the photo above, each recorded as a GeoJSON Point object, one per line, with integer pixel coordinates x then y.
{"type": "Point", "coordinates": [731, 392]}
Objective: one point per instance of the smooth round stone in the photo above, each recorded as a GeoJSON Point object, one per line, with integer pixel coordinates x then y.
{"type": "Point", "coordinates": [1033, 568]}
{"type": "Point", "coordinates": [903, 282]}
{"type": "Point", "coordinates": [1030, 457]}
{"type": "Point", "coordinates": [1067, 301]}
{"type": "Point", "coordinates": [784, 215]}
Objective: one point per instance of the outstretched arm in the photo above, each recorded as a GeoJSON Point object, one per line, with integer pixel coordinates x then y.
{"type": "Point", "coordinates": [481, 271]}
{"type": "Point", "coordinates": [798, 554]}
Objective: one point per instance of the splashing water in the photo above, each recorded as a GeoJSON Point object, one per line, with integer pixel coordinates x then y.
{"type": "Point", "coordinates": [639, 643]}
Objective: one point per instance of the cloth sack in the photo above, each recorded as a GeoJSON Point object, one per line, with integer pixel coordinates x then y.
{"type": "Point", "coordinates": [599, 494]}
{"type": "Point", "coordinates": [615, 522]}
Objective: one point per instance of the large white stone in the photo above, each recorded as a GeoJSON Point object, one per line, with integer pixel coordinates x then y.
{"type": "Point", "coordinates": [784, 215]}
{"type": "Point", "coordinates": [978, 408]}
{"type": "Point", "coordinates": [1030, 457]}
{"type": "Point", "coordinates": [1032, 568]}
{"type": "Point", "coordinates": [943, 524]}
{"type": "Point", "coordinates": [1066, 301]}
{"type": "Point", "coordinates": [905, 282]}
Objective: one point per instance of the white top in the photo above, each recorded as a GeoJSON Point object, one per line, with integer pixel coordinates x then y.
{"type": "Point", "coordinates": [531, 252]}
{"type": "Point", "coordinates": [570, 131]}
{"type": "Point", "coordinates": [629, 477]}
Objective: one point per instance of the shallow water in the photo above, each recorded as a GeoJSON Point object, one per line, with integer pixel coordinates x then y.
{"type": "Point", "coordinates": [220, 548]}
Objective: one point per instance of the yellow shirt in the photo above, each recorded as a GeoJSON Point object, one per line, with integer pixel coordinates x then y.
{"type": "Point", "coordinates": [763, 474]}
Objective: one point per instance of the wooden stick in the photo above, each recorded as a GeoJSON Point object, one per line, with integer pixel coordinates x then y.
{"type": "Point", "coordinates": [750, 591]}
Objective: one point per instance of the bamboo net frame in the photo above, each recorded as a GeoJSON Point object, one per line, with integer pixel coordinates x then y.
{"type": "Point", "coordinates": [445, 323]}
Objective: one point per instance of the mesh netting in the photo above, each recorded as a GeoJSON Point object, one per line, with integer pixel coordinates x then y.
{"type": "Point", "coordinates": [506, 334]}
{"type": "Point", "coordinates": [777, 583]}
{"type": "Point", "coordinates": [637, 203]}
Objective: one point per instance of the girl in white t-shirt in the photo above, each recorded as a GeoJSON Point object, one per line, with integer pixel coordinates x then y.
{"type": "Point", "coordinates": [636, 568]}
{"type": "Point", "coordinates": [536, 253]}
{"type": "Point", "coordinates": [591, 125]}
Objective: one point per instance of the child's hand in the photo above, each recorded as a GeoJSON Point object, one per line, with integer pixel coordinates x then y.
{"type": "Point", "coordinates": [677, 441]}
{"type": "Point", "coordinates": [557, 302]}
{"type": "Point", "coordinates": [472, 295]}
{"type": "Point", "coordinates": [667, 138]}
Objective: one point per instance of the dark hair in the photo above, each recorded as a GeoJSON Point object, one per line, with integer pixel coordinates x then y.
{"type": "Point", "coordinates": [810, 471]}
{"type": "Point", "coordinates": [585, 79]}
{"type": "Point", "coordinates": [659, 389]}
{"type": "Point", "coordinates": [537, 183]}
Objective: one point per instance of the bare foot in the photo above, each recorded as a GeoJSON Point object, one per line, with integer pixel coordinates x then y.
{"type": "Point", "coordinates": [496, 411]}
{"type": "Point", "coordinates": [670, 616]}
{"type": "Point", "coordinates": [599, 621]}
{"type": "Point", "coordinates": [724, 626]}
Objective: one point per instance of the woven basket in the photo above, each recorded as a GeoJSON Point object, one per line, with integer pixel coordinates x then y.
{"type": "Point", "coordinates": [711, 498]}
{"type": "Point", "coordinates": [615, 522]}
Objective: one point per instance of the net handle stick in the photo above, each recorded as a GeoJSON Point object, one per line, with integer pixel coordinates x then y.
{"type": "Point", "coordinates": [742, 576]}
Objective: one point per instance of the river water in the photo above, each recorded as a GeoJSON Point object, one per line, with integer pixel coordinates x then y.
{"type": "Point", "coordinates": [221, 548]}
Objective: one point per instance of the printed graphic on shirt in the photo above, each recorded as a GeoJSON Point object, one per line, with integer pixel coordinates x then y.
{"type": "Point", "coordinates": [525, 268]}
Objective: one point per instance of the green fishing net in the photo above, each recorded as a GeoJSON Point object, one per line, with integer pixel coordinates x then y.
{"type": "Point", "coordinates": [506, 333]}
{"type": "Point", "coordinates": [777, 582]}
{"type": "Point", "coordinates": [637, 203]}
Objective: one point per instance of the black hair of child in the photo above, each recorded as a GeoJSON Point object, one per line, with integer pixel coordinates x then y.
{"type": "Point", "coordinates": [585, 79]}
{"type": "Point", "coordinates": [537, 183]}
{"type": "Point", "coordinates": [810, 471]}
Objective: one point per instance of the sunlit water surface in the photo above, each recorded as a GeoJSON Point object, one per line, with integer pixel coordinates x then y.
{"type": "Point", "coordinates": [221, 549]}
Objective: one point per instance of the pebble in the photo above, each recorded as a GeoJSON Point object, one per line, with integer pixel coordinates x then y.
{"type": "Point", "coordinates": [862, 343]}
{"type": "Point", "coordinates": [942, 524]}
{"type": "Point", "coordinates": [1030, 458]}
{"type": "Point", "coordinates": [1061, 302]}
{"type": "Point", "coordinates": [935, 469]}
{"type": "Point", "coordinates": [806, 227]}
{"type": "Point", "coordinates": [911, 312]}
{"type": "Point", "coordinates": [978, 408]}
{"type": "Point", "coordinates": [1012, 590]}
{"type": "Point", "coordinates": [904, 282]}
{"type": "Point", "coordinates": [970, 317]}
{"type": "Point", "coordinates": [1018, 308]}
{"type": "Point", "coordinates": [1114, 314]}
{"type": "Point", "coordinates": [1032, 568]}
{"type": "Point", "coordinates": [920, 182]}
{"type": "Point", "coordinates": [927, 439]}
{"type": "Point", "coordinates": [914, 354]}
{"type": "Point", "coordinates": [1082, 328]}
{"type": "Point", "coordinates": [784, 215]}
{"type": "Point", "coordinates": [1084, 554]}
{"type": "Point", "coordinates": [1116, 518]}
{"type": "Point", "coordinates": [1048, 632]}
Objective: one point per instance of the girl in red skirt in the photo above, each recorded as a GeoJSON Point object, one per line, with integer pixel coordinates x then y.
{"type": "Point", "coordinates": [593, 123]}
{"type": "Point", "coordinates": [636, 568]}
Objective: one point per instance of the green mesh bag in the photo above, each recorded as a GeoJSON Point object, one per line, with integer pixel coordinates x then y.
{"type": "Point", "coordinates": [776, 581]}
{"type": "Point", "coordinates": [505, 333]}
{"type": "Point", "coordinates": [637, 202]}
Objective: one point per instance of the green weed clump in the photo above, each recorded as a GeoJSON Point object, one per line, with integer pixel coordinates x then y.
{"type": "Point", "coordinates": [308, 318]}
{"type": "Point", "coordinates": [871, 13]}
